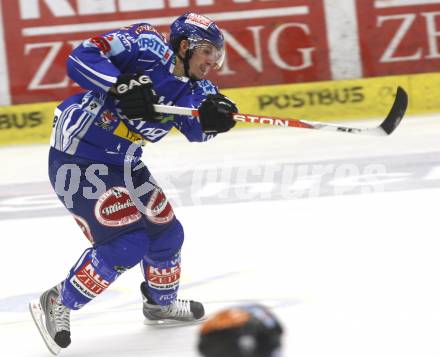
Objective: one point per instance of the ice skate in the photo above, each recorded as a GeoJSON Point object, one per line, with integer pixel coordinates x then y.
{"type": "Point", "coordinates": [180, 312]}
{"type": "Point", "coordinates": [52, 319]}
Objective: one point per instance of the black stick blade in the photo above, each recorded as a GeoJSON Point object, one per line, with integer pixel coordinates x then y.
{"type": "Point", "coordinates": [397, 111]}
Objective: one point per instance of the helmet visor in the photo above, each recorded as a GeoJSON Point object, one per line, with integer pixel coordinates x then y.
{"type": "Point", "coordinates": [209, 51]}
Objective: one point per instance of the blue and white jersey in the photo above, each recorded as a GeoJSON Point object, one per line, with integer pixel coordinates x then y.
{"type": "Point", "coordinates": [90, 125]}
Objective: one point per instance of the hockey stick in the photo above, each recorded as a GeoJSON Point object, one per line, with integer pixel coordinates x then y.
{"type": "Point", "coordinates": [386, 128]}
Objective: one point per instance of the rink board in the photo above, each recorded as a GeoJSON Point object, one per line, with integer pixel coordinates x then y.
{"type": "Point", "coordinates": [320, 101]}
{"type": "Point", "coordinates": [268, 42]}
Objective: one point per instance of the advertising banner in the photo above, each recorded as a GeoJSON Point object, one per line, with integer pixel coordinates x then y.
{"type": "Point", "coordinates": [268, 42]}
{"type": "Point", "coordinates": [399, 36]}
{"type": "Point", "coordinates": [26, 123]}
{"type": "Point", "coordinates": [316, 101]}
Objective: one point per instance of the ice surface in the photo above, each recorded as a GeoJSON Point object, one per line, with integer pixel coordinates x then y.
{"type": "Point", "coordinates": [344, 249]}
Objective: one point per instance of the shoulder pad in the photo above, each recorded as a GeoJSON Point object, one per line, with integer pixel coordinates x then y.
{"type": "Point", "coordinates": [151, 41]}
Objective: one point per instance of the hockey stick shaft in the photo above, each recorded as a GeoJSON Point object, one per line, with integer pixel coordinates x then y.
{"type": "Point", "coordinates": [246, 118]}
{"type": "Point", "coordinates": [390, 123]}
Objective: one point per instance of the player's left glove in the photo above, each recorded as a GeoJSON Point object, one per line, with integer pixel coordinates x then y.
{"type": "Point", "coordinates": [215, 114]}
{"type": "Point", "coordinates": [136, 96]}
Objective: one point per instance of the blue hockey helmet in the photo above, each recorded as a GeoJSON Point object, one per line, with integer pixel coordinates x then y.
{"type": "Point", "coordinates": [198, 30]}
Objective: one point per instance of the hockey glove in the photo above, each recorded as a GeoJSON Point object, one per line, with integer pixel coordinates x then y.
{"type": "Point", "coordinates": [215, 114]}
{"type": "Point", "coordinates": [136, 96]}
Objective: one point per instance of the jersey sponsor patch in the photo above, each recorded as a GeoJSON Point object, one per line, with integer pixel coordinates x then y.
{"type": "Point", "coordinates": [99, 42]}
{"type": "Point", "coordinates": [159, 210]}
{"type": "Point", "coordinates": [163, 278]}
{"type": "Point", "coordinates": [198, 20]}
{"type": "Point", "coordinates": [111, 45]}
{"type": "Point", "coordinates": [116, 45]}
{"type": "Point", "coordinates": [88, 282]}
{"type": "Point", "coordinates": [126, 40]}
{"type": "Point", "coordinates": [152, 43]}
{"type": "Point", "coordinates": [115, 208]}
{"type": "Point", "coordinates": [207, 86]}
{"type": "Point", "coordinates": [123, 132]}
{"type": "Point", "coordinates": [107, 120]}
{"type": "Point", "coordinates": [148, 132]}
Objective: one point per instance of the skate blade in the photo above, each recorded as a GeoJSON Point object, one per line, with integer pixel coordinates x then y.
{"type": "Point", "coordinates": [39, 319]}
{"type": "Point", "coordinates": [165, 323]}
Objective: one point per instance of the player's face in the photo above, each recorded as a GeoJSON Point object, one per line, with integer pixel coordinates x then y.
{"type": "Point", "coordinates": [205, 57]}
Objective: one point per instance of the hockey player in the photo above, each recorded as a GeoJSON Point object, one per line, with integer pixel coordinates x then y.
{"type": "Point", "coordinates": [96, 140]}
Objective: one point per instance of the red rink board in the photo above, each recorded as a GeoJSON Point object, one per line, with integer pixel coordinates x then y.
{"type": "Point", "coordinates": [267, 41]}
{"type": "Point", "coordinates": [399, 39]}
{"type": "Point", "coordinates": [276, 42]}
